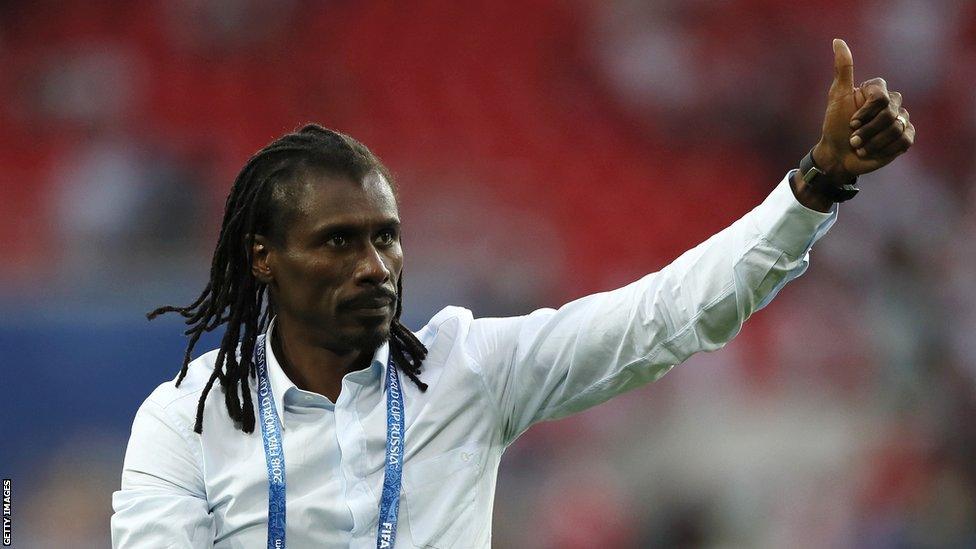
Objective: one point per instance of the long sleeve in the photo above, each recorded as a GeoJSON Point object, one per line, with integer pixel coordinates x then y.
{"type": "Point", "coordinates": [163, 500]}
{"type": "Point", "coordinates": [552, 363]}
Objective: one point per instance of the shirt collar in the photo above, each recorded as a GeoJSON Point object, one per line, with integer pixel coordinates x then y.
{"type": "Point", "coordinates": [281, 383]}
{"type": "Point", "coordinates": [279, 380]}
{"type": "Point", "coordinates": [376, 369]}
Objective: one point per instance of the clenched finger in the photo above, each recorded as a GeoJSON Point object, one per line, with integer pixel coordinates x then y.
{"type": "Point", "coordinates": [895, 99]}
{"type": "Point", "coordinates": [900, 145]}
{"type": "Point", "coordinates": [876, 98]}
{"type": "Point", "coordinates": [882, 120]}
{"type": "Point", "coordinates": [882, 139]}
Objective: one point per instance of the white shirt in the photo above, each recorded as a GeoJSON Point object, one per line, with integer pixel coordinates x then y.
{"type": "Point", "coordinates": [489, 380]}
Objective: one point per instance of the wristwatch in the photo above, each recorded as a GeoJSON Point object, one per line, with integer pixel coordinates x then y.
{"type": "Point", "coordinates": [821, 183]}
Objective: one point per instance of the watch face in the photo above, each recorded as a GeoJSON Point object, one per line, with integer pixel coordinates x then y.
{"type": "Point", "coordinates": [811, 173]}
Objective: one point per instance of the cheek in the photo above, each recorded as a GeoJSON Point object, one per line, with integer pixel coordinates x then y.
{"type": "Point", "coordinates": [327, 280]}
{"type": "Point", "coordinates": [394, 264]}
{"type": "Point", "coordinates": [312, 280]}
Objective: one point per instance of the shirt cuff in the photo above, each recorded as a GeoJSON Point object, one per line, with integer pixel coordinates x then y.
{"type": "Point", "coordinates": [788, 224]}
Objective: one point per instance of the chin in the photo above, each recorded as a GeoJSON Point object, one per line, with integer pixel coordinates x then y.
{"type": "Point", "coordinates": [372, 338]}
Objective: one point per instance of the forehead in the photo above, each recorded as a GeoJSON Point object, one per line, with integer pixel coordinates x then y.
{"type": "Point", "coordinates": [322, 199]}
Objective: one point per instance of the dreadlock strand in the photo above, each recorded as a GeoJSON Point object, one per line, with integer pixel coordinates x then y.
{"type": "Point", "coordinates": [230, 363]}
{"type": "Point", "coordinates": [244, 369]}
{"type": "Point", "coordinates": [266, 314]}
{"type": "Point", "coordinates": [247, 408]}
{"type": "Point", "coordinates": [404, 364]}
{"type": "Point", "coordinates": [239, 366]}
{"type": "Point", "coordinates": [399, 298]}
{"type": "Point", "coordinates": [248, 344]}
{"type": "Point", "coordinates": [222, 371]}
{"type": "Point", "coordinates": [186, 357]}
{"type": "Point", "coordinates": [414, 346]}
{"type": "Point", "coordinates": [198, 424]}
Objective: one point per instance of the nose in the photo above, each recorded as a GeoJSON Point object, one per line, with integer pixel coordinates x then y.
{"type": "Point", "coordinates": [371, 268]}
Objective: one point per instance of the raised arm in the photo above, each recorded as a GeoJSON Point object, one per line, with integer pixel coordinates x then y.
{"type": "Point", "coordinates": [555, 362]}
{"type": "Point", "coordinates": [551, 363]}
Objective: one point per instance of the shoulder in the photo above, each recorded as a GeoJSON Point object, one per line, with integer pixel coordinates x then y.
{"type": "Point", "coordinates": [451, 322]}
{"type": "Point", "coordinates": [482, 340]}
{"type": "Point", "coordinates": [179, 403]}
{"type": "Point", "coordinates": [449, 314]}
{"type": "Point", "coordinates": [457, 325]}
{"type": "Point", "coordinates": [168, 394]}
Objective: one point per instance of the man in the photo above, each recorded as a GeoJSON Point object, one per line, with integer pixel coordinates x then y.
{"type": "Point", "coordinates": [317, 442]}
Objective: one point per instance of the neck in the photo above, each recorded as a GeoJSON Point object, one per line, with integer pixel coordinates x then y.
{"type": "Point", "coordinates": [310, 365]}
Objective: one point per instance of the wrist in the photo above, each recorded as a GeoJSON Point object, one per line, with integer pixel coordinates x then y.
{"type": "Point", "coordinates": [822, 179]}
{"type": "Point", "coordinates": [831, 164]}
{"type": "Point", "coordinates": [807, 196]}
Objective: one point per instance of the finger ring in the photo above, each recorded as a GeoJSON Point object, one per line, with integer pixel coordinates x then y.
{"type": "Point", "coordinates": [904, 123]}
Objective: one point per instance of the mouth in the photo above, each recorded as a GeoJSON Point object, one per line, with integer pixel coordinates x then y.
{"type": "Point", "coordinates": [371, 315]}
{"type": "Point", "coordinates": [372, 306]}
{"type": "Point", "coordinates": [372, 309]}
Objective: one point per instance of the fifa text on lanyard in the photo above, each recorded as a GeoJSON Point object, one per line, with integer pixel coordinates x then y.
{"type": "Point", "coordinates": [274, 454]}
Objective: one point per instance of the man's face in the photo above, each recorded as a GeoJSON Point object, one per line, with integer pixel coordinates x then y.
{"type": "Point", "coordinates": [335, 271]}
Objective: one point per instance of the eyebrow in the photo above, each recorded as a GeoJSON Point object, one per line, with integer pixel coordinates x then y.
{"type": "Point", "coordinates": [346, 227]}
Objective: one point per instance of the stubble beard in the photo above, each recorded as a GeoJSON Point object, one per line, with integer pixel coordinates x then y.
{"type": "Point", "coordinates": [371, 339]}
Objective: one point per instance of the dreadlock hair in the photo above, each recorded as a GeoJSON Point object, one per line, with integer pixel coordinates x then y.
{"type": "Point", "coordinates": [257, 204]}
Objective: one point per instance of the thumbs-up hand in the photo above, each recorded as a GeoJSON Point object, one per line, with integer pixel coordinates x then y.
{"type": "Point", "coordinates": [865, 127]}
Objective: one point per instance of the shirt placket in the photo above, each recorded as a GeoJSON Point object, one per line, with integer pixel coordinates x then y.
{"type": "Point", "coordinates": [353, 458]}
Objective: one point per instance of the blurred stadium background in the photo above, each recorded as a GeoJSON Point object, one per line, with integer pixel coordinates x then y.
{"type": "Point", "coordinates": [544, 149]}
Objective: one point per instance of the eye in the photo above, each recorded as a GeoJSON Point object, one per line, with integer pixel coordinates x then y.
{"type": "Point", "coordinates": [337, 240]}
{"type": "Point", "coordinates": [386, 237]}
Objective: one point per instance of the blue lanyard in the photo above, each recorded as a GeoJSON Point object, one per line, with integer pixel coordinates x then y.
{"type": "Point", "coordinates": [274, 454]}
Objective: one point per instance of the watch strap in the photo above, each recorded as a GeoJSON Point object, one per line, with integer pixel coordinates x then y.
{"type": "Point", "coordinates": [821, 183]}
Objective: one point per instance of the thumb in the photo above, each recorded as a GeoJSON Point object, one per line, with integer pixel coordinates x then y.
{"type": "Point", "coordinates": [843, 66]}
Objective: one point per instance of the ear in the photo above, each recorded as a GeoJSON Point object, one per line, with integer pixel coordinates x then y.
{"type": "Point", "coordinates": [261, 259]}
